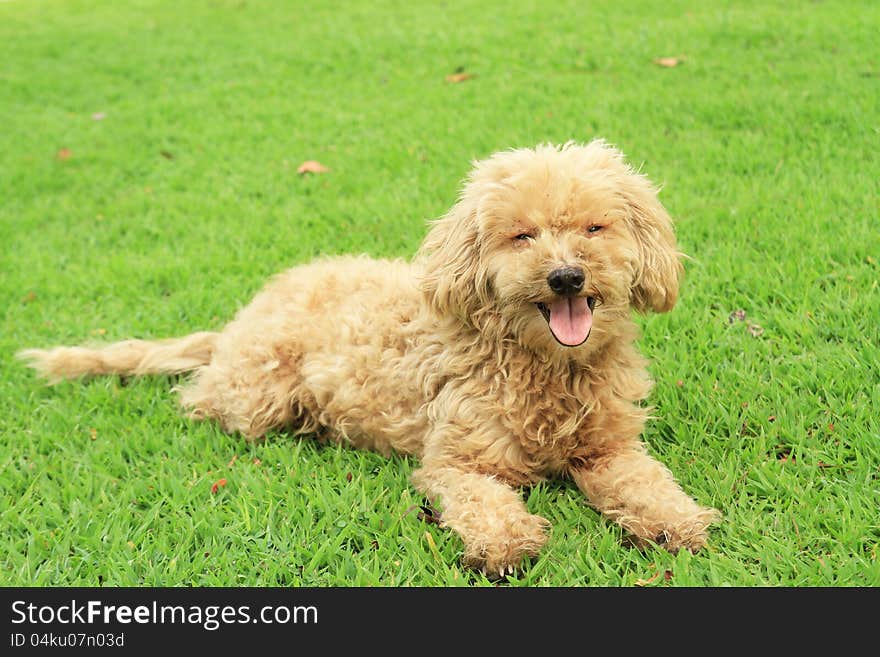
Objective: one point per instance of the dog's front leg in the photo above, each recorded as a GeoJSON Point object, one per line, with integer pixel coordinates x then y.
{"type": "Point", "coordinates": [489, 515]}
{"type": "Point", "coordinates": [640, 494]}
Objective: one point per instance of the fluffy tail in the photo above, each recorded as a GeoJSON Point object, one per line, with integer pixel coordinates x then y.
{"type": "Point", "coordinates": [132, 357]}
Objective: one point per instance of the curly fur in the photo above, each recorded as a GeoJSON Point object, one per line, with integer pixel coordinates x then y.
{"type": "Point", "coordinates": [448, 357]}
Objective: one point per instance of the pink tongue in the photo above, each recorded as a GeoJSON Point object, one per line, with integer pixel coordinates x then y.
{"type": "Point", "coordinates": [571, 320]}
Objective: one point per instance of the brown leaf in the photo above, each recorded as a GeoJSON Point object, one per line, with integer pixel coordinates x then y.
{"type": "Point", "coordinates": [232, 462]}
{"type": "Point", "coordinates": [220, 483]}
{"type": "Point", "coordinates": [98, 116]}
{"type": "Point", "coordinates": [29, 297]}
{"type": "Point", "coordinates": [348, 476]}
{"type": "Point", "coordinates": [93, 434]}
{"type": "Point", "coordinates": [756, 330]}
{"type": "Point", "coordinates": [168, 155]}
{"type": "Point", "coordinates": [312, 166]}
{"type": "Point", "coordinates": [455, 78]}
{"type": "Point", "coordinates": [668, 62]}
{"type": "Point", "coordinates": [428, 514]}
{"type": "Point", "coordinates": [63, 154]}
{"type": "Point", "coordinates": [667, 575]}
{"type": "Point", "coordinates": [736, 316]}
{"type": "Point", "coordinates": [785, 457]}
{"type": "Point", "coordinates": [645, 582]}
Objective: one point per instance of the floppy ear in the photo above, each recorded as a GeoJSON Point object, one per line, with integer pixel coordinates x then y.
{"type": "Point", "coordinates": [655, 286]}
{"type": "Point", "coordinates": [453, 281]}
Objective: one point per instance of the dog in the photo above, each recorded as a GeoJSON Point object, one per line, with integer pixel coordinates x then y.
{"type": "Point", "coordinates": [501, 355]}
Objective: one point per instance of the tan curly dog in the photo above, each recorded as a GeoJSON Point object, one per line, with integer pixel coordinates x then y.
{"type": "Point", "coordinates": [502, 355]}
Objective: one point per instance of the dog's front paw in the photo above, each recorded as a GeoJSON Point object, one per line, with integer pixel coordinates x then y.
{"type": "Point", "coordinates": [502, 546]}
{"type": "Point", "coordinates": [690, 533]}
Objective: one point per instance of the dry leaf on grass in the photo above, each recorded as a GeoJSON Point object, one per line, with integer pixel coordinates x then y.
{"type": "Point", "coordinates": [311, 166]}
{"type": "Point", "coordinates": [784, 456]}
{"type": "Point", "coordinates": [429, 514]}
{"type": "Point", "coordinates": [220, 483]}
{"type": "Point", "coordinates": [668, 62]}
{"type": "Point", "coordinates": [63, 154]}
{"type": "Point", "coordinates": [667, 576]}
{"type": "Point", "coordinates": [739, 315]}
{"type": "Point", "coordinates": [455, 78]}
{"type": "Point", "coordinates": [651, 579]}
{"type": "Point", "coordinates": [426, 513]}
{"type": "Point", "coordinates": [756, 330]}
{"type": "Point", "coordinates": [98, 116]}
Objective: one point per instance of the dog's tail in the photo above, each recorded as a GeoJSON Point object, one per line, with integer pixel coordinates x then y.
{"type": "Point", "coordinates": [133, 357]}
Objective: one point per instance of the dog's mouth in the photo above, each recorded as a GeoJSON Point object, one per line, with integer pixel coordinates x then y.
{"type": "Point", "coordinates": [570, 319]}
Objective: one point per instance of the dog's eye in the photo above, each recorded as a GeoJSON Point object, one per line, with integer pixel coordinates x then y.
{"type": "Point", "coordinates": [524, 237]}
{"type": "Point", "coordinates": [595, 228]}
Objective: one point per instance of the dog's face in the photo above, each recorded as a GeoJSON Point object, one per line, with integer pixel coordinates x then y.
{"type": "Point", "coordinates": [552, 247]}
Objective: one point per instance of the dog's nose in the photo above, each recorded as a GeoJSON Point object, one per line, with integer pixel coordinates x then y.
{"type": "Point", "coordinates": [566, 280]}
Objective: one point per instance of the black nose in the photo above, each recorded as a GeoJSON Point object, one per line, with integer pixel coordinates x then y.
{"type": "Point", "coordinates": [566, 280]}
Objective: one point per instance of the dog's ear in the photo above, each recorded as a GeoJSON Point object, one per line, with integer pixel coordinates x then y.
{"type": "Point", "coordinates": [453, 281]}
{"type": "Point", "coordinates": [655, 285]}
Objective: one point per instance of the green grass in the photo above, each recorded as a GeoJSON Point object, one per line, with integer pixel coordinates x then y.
{"type": "Point", "coordinates": [173, 210]}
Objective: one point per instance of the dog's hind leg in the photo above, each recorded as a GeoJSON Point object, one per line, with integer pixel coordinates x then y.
{"type": "Point", "coordinates": [251, 387]}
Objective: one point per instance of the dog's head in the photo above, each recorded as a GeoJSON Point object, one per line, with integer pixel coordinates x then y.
{"type": "Point", "coordinates": [552, 246]}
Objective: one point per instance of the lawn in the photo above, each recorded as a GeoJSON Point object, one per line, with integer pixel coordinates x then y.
{"type": "Point", "coordinates": [149, 186]}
